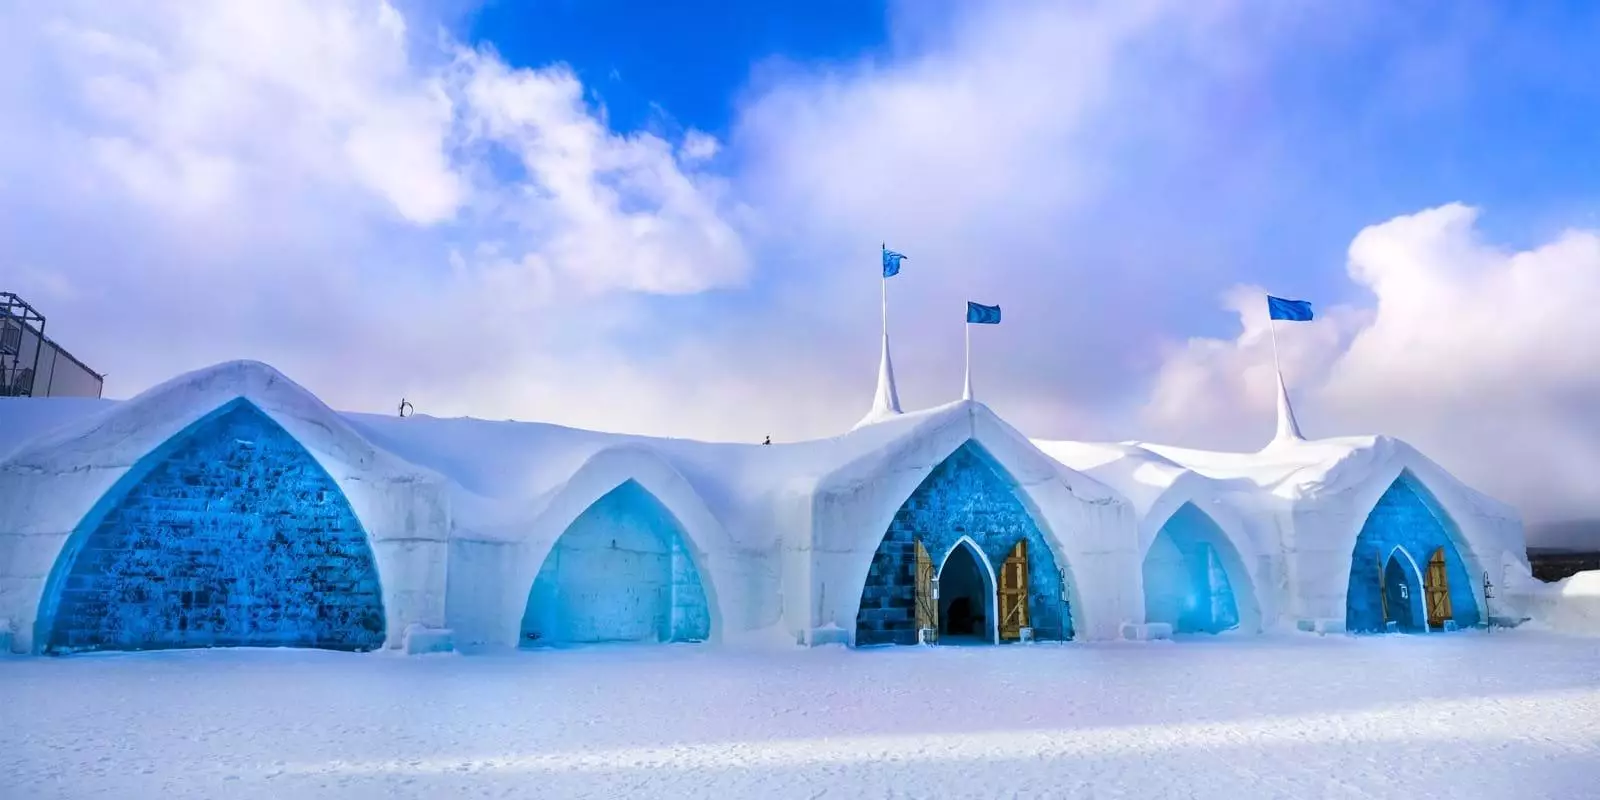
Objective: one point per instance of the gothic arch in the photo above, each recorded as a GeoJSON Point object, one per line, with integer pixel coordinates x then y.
{"type": "Point", "coordinates": [988, 578]}
{"type": "Point", "coordinates": [967, 494]}
{"type": "Point", "coordinates": [228, 533]}
{"type": "Point", "coordinates": [1406, 516]}
{"type": "Point", "coordinates": [1186, 532]}
{"type": "Point", "coordinates": [601, 474]}
{"type": "Point", "coordinates": [620, 572]}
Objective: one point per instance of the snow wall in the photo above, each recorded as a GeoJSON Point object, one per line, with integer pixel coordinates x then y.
{"type": "Point", "coordinates": [1303, 531]}
{"type": "Point", "coordinates": [1086, 530]}
{"type": "Point", "coordinates": [58, 490]}
{"type": "Point", "coordinates": [518, 534]}
{"type": "Point", "coordinates": [496, 564]}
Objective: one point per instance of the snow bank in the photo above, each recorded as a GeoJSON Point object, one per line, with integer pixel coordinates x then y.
{"type": "Point", "coordinates": [1570, 606]}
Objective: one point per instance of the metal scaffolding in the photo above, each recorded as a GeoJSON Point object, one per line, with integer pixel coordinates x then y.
{"type": "Point", "coordinates": [18, 367]}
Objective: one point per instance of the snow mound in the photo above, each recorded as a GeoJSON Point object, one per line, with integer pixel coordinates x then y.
{"type": "Point", "coordinates": [1569, 606]}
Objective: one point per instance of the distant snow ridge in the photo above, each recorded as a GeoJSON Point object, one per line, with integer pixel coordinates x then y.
{"type": "Point", "coordinates": [937, 526]}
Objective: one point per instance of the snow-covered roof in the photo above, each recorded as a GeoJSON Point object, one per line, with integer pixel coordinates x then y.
{"type": "Point", "coordinates": [1293, 471]}
{"type": "Point", "coordinates": [114, 435]}
{"type": "Point", "coordinates": [96, 442]}
{"type": "Point", "coordinates": [503, 473]}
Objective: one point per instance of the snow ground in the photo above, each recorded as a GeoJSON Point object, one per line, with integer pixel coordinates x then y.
{"type": "Point", "coordinates": [1503, 715]}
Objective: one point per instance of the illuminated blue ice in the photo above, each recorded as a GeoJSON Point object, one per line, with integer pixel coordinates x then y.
{"type": "Point", "coordinates": [619, 573]}
{"type": "Point", "coordinates": [1399, 536]}
{"type": "Point", "coordinates": [965, 495]}
{"type": "Point", "coordinates": [228, 534]}
{"type": "Point", "coordinates": [1185, 583]}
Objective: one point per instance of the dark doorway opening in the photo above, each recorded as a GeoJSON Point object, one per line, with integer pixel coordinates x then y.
{"type": "Point", "coordinates": [965, 598]}
{"type": "Point", "coordinates": [1399, 594]}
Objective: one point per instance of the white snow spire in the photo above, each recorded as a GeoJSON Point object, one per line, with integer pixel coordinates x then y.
{"type": "Point", "coordinates": [1288, 428]}
{"type": "Point", "coordinates": [886, 402]}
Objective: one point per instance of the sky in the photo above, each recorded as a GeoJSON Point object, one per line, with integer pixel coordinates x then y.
{"type": "Point", "coordinates": [665, 218]}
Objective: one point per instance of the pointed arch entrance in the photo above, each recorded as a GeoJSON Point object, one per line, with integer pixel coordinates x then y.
{"type": "Point", "coordinates": [1402, 593]}
{"type": "Point", "coordinates": [1404, 526]}
{"type": "Point", "coordinates": [1193, 576]}
{"type": "Point", "coordinates": [965, 509]}
{"type": "Point", "coordinates": [967, 596]}
{"type": "Point", "coordinates": [621, 572]}
{"type": "Point", "coordinates": [229, 534]}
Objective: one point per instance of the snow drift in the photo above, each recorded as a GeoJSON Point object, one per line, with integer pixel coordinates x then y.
{"type": "Point", "coordinates": [1571, 605]}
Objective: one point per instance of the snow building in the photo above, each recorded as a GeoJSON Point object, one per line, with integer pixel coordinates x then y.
{"type": "Point", "coordinates": [231, 507]}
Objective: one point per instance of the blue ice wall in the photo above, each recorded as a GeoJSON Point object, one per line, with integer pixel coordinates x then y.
{"type": "Point", "coordinates": [619, 573]}
{"type": "Point", "coordinates": [229, 534]}
{"type": "Point", "coordinates": [1405, 516]}
{"type": "Point", "coordinates": [963, 496]}
{"type": "Point", "coordinates": [1185, 584]}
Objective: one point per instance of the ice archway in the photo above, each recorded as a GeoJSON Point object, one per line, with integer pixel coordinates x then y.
{"type": "Point", "coordinates": [227, 534]}
{"type": "Point", "coordinates": [620, 572]}
{"type": "Point", "coordinates": [964, 496]}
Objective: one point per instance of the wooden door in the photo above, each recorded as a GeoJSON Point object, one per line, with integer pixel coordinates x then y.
{"type": "Point", "coordinates": [1013, 593]}
{"type": "Point", "coordinates": [927, 602]}
{"type": "Point", "coordinates": [1437, 585]}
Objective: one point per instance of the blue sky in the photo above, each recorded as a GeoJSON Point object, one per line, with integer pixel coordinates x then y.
{"type": "Point", "coordinates": [665, 218]}
{"type": "Point", "coordinates": [675, 64]}
{"type": "Point", "coordinates": [1393, 110]}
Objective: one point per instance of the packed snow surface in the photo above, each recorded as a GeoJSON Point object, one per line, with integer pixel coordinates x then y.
{"type": "Point", "coordinates": [1501, 715]}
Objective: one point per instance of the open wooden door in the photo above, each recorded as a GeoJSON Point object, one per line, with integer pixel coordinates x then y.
{"type": "Point", "coordinates": [927, 600]}
{"type": "Point", "coordinates": [1437, 589]}
{"type": "Point", "coordinates": [1013, 593]}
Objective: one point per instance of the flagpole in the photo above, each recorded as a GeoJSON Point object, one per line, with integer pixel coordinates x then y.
{"type": "Point", "coordinates": [1273, 327]}
{"type": "Point", "coordinates": [966, 393]}
{"type": "Point", "coordinates": [1288, 428]}
{"type": "Point", "coordinates": [883, 284]}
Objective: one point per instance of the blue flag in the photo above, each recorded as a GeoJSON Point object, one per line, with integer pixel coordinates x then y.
{"type": "Point", "coordinates": [979, 314]}
{"type": "Point", "coordinates": [891, 262]}
{"type": "Point", "coordinates": [1290, 310]}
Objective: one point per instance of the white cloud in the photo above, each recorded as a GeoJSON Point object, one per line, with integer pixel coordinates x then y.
{"type": "Point", "coordinates": [200, 105]}
{"type": "Point", "coordinates": [381, 210]}
{"type": "Point", "coordinates": [308, 180]}
{"type": "Point", "coordinates": [986, 146]}
{"type": "Point", "coordinates": [619, 212]}
{"type": "Point", "coordinates": [698, 146]}
{"type": "Point", "coordinates": [1480, 356]}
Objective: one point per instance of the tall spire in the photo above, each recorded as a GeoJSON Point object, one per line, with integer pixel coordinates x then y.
{"type": "Point", "coordinates": [886, 402]}
{"type": "Point", "coordinates": [1293, 311]}
{"type": "Point", "coordinates": [1288, 428]}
